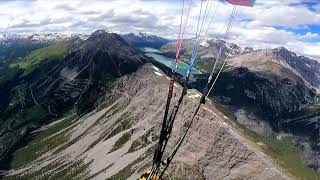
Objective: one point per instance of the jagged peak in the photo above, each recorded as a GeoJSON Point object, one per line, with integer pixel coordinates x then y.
{"type": "Point", "coordinates": [144, 35]}
{"type": "Point", "coordinates": [13, 38]}
{"type": "Point", "coordinates": [107, 37]}
{"type": "Point", "coordinates": [100, 31]}
{"type": "Point", "coordinates": [283, 52]}
{"type": "Point", "coordinates": [248, 49]}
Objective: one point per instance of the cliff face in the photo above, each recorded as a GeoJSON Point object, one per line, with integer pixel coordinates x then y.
{"type": "Point", "coordinates": [261, 79]}
{"type": "Point", "coordinates": [116, 140]}
{"type": "Point", "coordinates": [308, 68]}
{"type": "Point", "coordinates": [256, 78]}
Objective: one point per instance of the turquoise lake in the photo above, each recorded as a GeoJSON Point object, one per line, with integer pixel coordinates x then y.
{"type": "Point", "coordinates": [169, 62]}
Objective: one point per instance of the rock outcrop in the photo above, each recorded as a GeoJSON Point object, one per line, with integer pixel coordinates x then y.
{"type": "Point", "coordinates": [261, 78]}
{"type": "Point", "coordinates": [308, 68]}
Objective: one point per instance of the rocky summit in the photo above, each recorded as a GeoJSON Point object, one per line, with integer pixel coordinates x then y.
{"type": "Point", "coordinates": [101, 57]}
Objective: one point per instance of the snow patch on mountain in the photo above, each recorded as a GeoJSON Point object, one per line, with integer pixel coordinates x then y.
{"type": "Point", "coordinates": [204, 43]}
{"type": "Point", "coordinates": [9, 39]}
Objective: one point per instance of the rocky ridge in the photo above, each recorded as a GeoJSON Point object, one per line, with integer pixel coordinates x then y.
{"type": "Point", "coordinates": [10, 39]}
{"type": "Point", "coordinates": [115, 140]}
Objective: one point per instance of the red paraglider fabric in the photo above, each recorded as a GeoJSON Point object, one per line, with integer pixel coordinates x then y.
{"type": "Point", "coordinates": [242, 2]}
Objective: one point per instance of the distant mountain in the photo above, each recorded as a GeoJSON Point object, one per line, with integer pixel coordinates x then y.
{"type": "Point", "coordinates": [10, 39]}
{"type": "Point", "coordinates": [207, 51]}
{"type": "Point", "coordinates": [262, 78]}
{"type": "Point", "coordinates": [101, 57]}
{"type": "Point", "coordinates": [208, 48]}
{"type": "Point", "coordinates": [305, 67]}
{"type": "Point", "coordinates": [141, 40]}
{"type": "Point", "coordinates": [308, 68]}
{"type": "Point", "coordinates": [14, 46]}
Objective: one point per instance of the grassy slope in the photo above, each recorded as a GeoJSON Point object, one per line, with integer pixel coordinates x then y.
{"type": "Point", "coordinates": [283, 151]}
{"type": "Point", "coordinates": [21, 49]}
{"type": "Point", "coordinates": [7, 75]}
{"type": "Point", "coordinates": [18, 127]}
{"type": "Point", "coordinates": [53, 137]}
{"type": "Point", "coordinates": [30, 62]}
{"type": "Point", "coordinates": [32, 56]}
{"type": "Point", "coordinates": [41, 143]}
{"type": "Point", "coordinates": [30, 115]}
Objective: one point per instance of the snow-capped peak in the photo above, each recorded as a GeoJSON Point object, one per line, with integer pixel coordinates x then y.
{"type": "Point", "coordinates": [39, 37]}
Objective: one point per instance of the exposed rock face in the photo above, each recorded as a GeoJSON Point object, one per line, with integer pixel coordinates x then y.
{"type": "Point", "coordinates": [230, 159]}
{"type": "Point", "coordinates": [251, 121]}
{"type": "Point", "coordinates": [257, 77]}
{"type": "Point", "coordinates": [247, 50]}
{"type": "Point", "coordinates": [115, 141]}
{"type": "Point", "coordinates": [308, 68]}
{"type": "Point", "coordinates": [101, 57]}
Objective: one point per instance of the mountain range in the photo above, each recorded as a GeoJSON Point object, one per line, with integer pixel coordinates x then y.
{"type": "Point", "coordinates": [91, 107]}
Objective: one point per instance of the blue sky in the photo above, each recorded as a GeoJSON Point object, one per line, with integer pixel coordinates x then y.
{"type": "Point", "coordinates": [294, 24]}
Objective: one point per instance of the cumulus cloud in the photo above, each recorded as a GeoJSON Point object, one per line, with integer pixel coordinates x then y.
{"type": "Point", "coordinates": [269, 24]}
{"type": "Point", "coordinates": [66, 7]}
{"type": "Point", "coordinates": [317, 7]}
{"type": "Point", "coordinates": [284, 16]}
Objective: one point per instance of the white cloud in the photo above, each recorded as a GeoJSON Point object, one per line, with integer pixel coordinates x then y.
{"type": "Point", "coordinates": [317, 7]}
{"type": "Point", "coordinates": [163, 18]}
{"type": "Point", "coordinates": [309, 36]}
{"type": "Point", "coordinates": [287, 16]}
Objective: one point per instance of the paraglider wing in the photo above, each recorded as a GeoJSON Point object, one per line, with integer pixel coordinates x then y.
{"type": "Point", "coordinates": [242, 2]}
